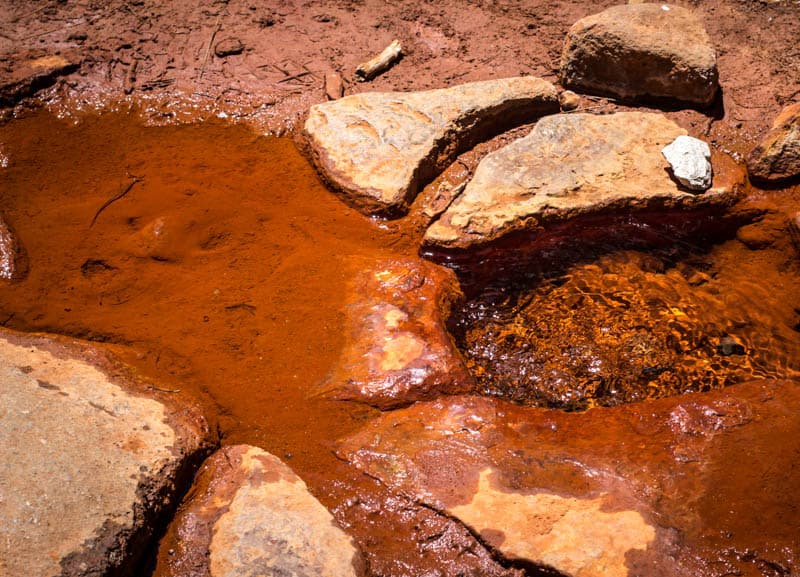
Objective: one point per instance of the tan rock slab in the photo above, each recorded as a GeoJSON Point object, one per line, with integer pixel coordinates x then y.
{"type": "Point", "coordinates": [633, 51]}
{"type": "Point", "coordinates": [398, 350]}
{"type": "Point", "coordinates": [678, 486]}
{"type": "Point", "coordinates": [571, 166]}
{"type": "Point", "coordinates": [249, 514]}
{"type": "Point", "coordinates": [777, 158]}
{"type": "Point", "coordinates": [380, 148]}
{"type": "Point", "coordinates": [88, 465]}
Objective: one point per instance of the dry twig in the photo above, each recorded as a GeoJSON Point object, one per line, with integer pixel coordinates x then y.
{"type": "Point", "coordinates": [115, 198]}
{"type": "Point", "coordinates": [217, 27]}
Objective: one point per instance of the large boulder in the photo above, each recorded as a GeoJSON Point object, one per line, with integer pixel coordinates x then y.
{"type": "Point", "coordinates": [572, 166]}
{"type": "Point", "coordinates": [398, 350]}
{"type": "Point", "coordinates": [381, 148]}
{"type": "Point", "coordinates": [777, 158]}
{"type": "Point", "coordinates": [88, 464]}
{"type": "Point", "coordinates": [641, 50]}
{"type": "Point", "coordinates": [249, 514]}
{"type": "Point", "coordinates": [697, 485]}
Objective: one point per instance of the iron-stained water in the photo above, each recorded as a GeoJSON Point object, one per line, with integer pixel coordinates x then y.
{"type": "Point", "coordinates": [631, 326]}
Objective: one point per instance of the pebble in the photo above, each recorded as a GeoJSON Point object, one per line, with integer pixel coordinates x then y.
{"type": "Point", "coordinates": [569, 100]}
{"type": "Point", "coordinates": [730, 346]}
{"type": "Point", "coordinates": [690, 160]}
{"type": "Point", "coordinates": [228, 47]}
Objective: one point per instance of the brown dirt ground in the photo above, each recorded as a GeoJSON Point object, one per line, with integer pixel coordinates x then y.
{"type": "Point", "coordinates": [287, 47]}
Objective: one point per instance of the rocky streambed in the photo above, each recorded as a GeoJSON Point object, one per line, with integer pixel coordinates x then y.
{"type": "Point", "coordinates": [542, 322]}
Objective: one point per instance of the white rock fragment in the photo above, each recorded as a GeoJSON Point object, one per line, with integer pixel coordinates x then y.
{"type": "Point", "coordinates": [690, 160]}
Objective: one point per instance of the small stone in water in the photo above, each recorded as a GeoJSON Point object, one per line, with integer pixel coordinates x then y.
{"type": "Point", "coordinates": [690, 160]}
{"type": "Point", "coordinates": [730, 346]}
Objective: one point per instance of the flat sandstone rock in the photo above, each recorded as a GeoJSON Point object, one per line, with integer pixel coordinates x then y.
{"type": "Point", "coordinates": [87, 467]}
{"type": "Point", "coordinates": [658, 488]}
{"type": "Point", "coordinates": [249, 514]}
{"type": "Point", "coordinates": [641, 50]}
{"type": "Point", "coordinates": [570, 166]}
{"type": "Point", "coordinates": [381, 148]}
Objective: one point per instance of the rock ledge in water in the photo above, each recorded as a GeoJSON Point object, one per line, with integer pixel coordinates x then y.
{"type": "Point", "coordinates": [656, 488]}
{"type": "Point", "coordinates": [397, 349]}
{"type": "Point", "coordinates": [381, 148]}
{"type": "Point", "coordinates": [571, 166]}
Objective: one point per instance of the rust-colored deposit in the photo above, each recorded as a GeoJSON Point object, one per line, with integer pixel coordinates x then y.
{"type": "Point", "coordinates": [213, 257]}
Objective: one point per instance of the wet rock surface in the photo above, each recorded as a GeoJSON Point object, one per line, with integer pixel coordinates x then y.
{"type": "Point", "coordinates": [398, 350]}
{"type": "Point", "coordinates": [401, 539]}
{"type": "Point", "coordinates": [13, 264]}
{"type": "Point", "coordinates": [249, 514]}
{"type": "Point", "coordinates": [777, 158]}
{"type": "Point", "coordinates": [89, 466]}
{"type": "Point", "coordinates": [571, 166]}
{"type": "Point", "coordinates": [379, 149]}
{"type": "Point", "coordinates": [644, 489]}
{"type": "Point", "coordinates": [642, 50]}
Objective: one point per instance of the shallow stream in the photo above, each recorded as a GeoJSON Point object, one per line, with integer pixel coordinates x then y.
{"type": "Point", "coordinates": [221, 270]}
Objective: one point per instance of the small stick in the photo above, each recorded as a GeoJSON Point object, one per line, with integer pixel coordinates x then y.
{"type": "Point", "coordinates": [381, 62]}
{"type": "Point", "coordinates": [217, 26]}
{"type": "Point", "coordinates": [163, 390]}
{"type": "Point", "coordinates": [115, 198]}
{"type": "Point", "coordinates": [297, 76]}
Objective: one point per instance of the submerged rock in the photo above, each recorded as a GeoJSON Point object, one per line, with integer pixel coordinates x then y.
{"type": "Point", "coordinates": [777, 158]}
{"type": "Point", "coordinates": [249, 514]}
{"type": "Point", "coordinates": [89, 466]}
{"type": "Point", "coordinates": [381, 148]}
{"type": "Point", "coordinates": [641, 50]}
{"type": "Point", "coordinates": [570, 166]}
{"type": "Point", "coordinates": [398, 350]}
{"type": "Point", "coordinates": [690, 160]}
{"type": "Point", "coordinates": [656, 488]}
